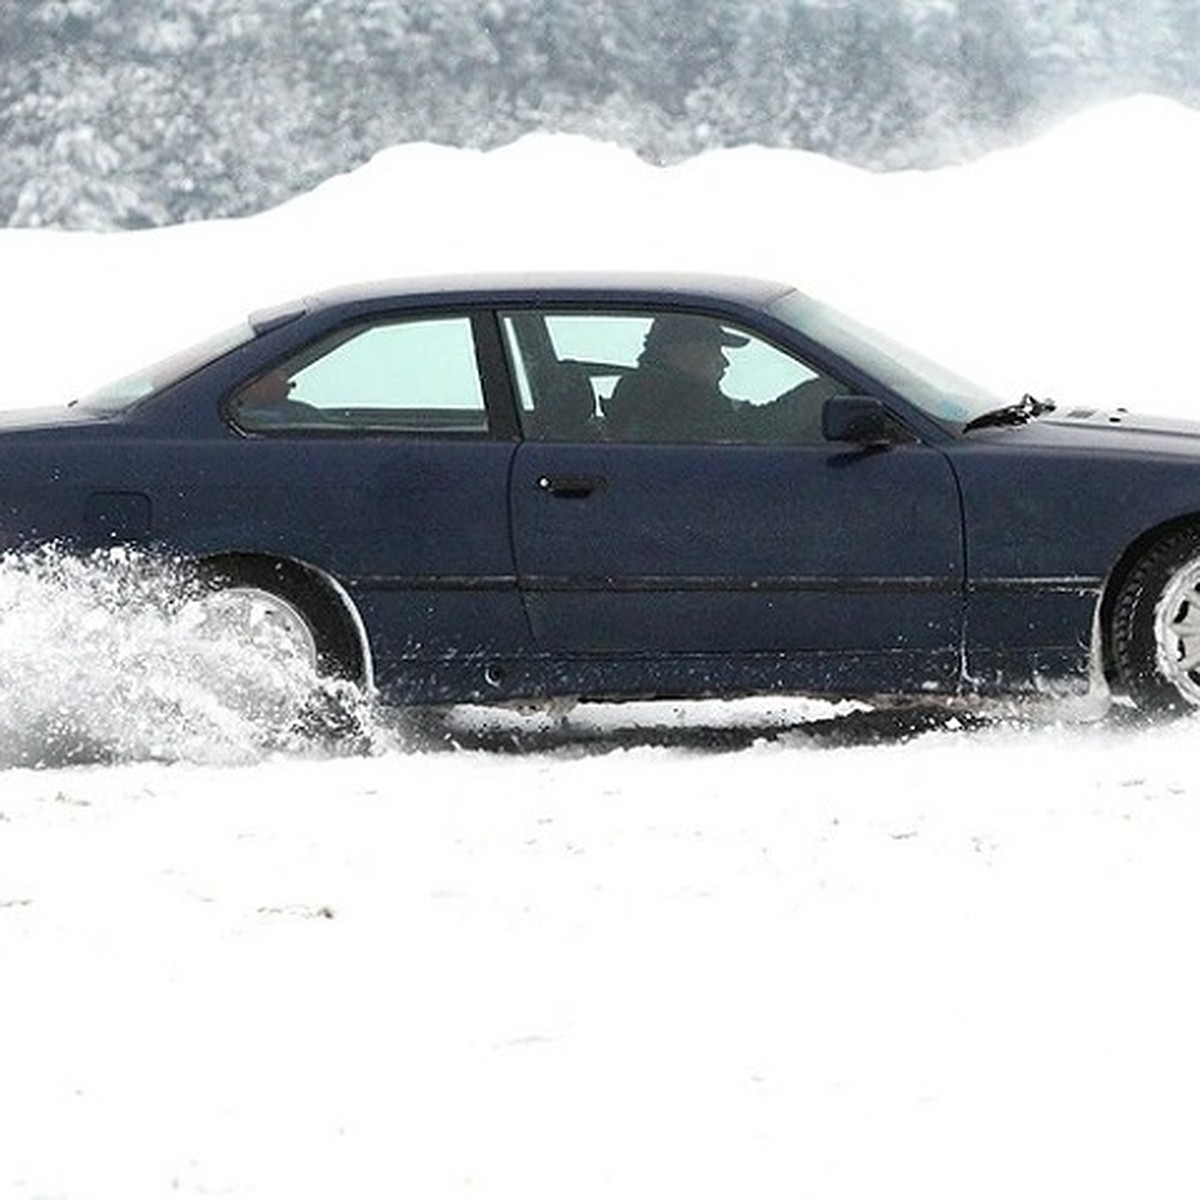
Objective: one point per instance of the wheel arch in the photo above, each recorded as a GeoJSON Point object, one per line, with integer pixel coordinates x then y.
{"type": "Point", "coordinates": [1122, 569]}
{"type": "Point", "coordinates": [324, 600]}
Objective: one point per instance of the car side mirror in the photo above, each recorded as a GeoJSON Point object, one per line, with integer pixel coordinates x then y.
{"type": "Point", "coordinates": [859, 419]}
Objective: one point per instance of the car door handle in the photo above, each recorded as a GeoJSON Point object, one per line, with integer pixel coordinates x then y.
{"type": "Point", "coordinates": [570, 487]}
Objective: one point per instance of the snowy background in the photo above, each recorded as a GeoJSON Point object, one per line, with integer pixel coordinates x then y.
{"type": "Point", "coordinates": [123, 114]}
{"type": "Point", "coordinates": [772, 949]}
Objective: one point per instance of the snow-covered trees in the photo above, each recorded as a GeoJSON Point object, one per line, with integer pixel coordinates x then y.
{"type": "Point", "coordinates": [120, 113]}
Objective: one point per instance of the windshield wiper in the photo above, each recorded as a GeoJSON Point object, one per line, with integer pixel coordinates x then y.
{"type": "Point", "coordinates": [1024, 410]}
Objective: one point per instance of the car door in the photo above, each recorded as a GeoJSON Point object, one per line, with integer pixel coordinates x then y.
{"type": "Point", "coordinates": [759, 553]}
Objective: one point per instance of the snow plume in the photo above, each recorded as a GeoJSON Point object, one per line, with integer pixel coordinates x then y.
{"type": "Point", "coordinates": [111, 657]}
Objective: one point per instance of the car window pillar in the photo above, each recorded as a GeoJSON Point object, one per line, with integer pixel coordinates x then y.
{"type": "Point", "coordinates": [498, 392]}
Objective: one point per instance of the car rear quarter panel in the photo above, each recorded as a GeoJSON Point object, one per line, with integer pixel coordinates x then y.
{"type": "Point", "coordinates": [415, 532]}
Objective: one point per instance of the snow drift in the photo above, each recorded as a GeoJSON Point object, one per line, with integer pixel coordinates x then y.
{"type": "Point", "coordinates": [1062, 267]}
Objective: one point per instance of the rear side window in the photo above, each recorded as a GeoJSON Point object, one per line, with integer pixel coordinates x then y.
{"type": "Point", "coordinates": [417, 376]}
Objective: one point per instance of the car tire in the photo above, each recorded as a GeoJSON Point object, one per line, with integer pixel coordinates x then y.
{"type": "Point", "coordinates": [308, 614]}
{"type": "Point", "coordinates": [292, 598]}
{"type": "Point", "coordinates": [1156, 627]}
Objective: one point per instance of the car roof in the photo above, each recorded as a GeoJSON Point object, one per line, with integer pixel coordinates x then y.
{"type": "Point", "coordinates": [508, 287]}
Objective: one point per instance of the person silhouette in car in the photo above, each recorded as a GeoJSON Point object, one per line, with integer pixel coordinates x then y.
{"type": "Point", "coordinates": [674, 393]}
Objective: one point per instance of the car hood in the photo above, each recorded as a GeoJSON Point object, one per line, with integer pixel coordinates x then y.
{"type": "Point", "coordinates": [1113, 431]}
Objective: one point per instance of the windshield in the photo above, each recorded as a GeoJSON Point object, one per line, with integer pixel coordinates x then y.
{"type": "Point", "coordinates": [124, 393]}
{"type": "Point", "coordinates": [931, 387]}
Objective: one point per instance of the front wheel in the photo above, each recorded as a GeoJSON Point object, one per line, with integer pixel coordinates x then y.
{"type": "Point", "coordinates": [1156, 627]}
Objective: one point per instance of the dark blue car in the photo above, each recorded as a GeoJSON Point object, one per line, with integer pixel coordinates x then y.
{"type": "Point", "coordinates": [494, 489]}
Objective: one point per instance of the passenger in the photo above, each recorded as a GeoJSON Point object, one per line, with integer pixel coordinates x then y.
{"type": "Point", "coordinates": [674, 394]}
{"type": "Point", "coordinates": [268, 400]}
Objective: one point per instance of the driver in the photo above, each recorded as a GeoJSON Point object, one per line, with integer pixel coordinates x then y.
{"type": "Point", "coordinates": [674, 394]}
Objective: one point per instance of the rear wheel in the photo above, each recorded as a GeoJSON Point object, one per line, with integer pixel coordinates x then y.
{"type": "Point", "coordinates": [285, 608]}
{"type": "Point", "coordinates": [293, 624]}
{"type": "Point", "coordinates": [1156, 627]}
{"type": "Point", "coordinates": [265, 621]}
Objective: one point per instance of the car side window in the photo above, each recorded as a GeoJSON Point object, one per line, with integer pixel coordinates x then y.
{"type": "Point", "coordinates": [414, 376]}
{"type": "Point", "coordinates": [660, 377]}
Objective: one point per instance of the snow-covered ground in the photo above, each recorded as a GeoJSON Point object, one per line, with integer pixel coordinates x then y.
{"type": "Point", "coordinates": [772, 949]}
